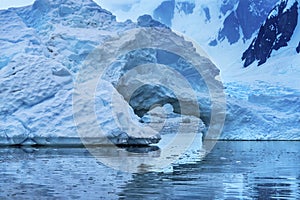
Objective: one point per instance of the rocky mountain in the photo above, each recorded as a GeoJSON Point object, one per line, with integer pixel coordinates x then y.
{"type": "Point", "coordinates": [226, 29]}
{"type": "Point", "coordinates": [254, 27]}
{"type": "Point", "coordinates": [240, 18]}
{"type": "Point", "coordinates": [275, 32]}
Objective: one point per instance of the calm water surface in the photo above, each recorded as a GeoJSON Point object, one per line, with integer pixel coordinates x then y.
{"type": "Point", "coordinates": [233, 170]}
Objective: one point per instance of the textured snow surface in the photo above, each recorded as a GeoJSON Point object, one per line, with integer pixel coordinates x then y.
{"type": "Point", "coordinates": [262, 111]}
{"type": "Point", "coordinates": [42, 47]}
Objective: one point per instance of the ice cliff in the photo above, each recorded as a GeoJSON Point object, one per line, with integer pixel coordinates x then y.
{"type": "Point", "coordinates": [42, 47]}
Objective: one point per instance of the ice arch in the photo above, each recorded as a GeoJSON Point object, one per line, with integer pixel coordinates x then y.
{"type": "Point", "coordinates": [149, 95]}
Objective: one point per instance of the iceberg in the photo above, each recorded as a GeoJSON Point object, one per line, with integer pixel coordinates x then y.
{"type": "Point", "coordinates": [44, 47]}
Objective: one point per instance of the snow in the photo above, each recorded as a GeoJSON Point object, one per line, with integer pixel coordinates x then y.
{"type": "Point", "coordinates": [274, 12]}
{"type": "Point", "coordinates": [289, 4]}
{"type": "Point", "coordinates": [262, 111]}
{"type": "Point", "coordinates": [111, 105]}
{"type": "Point", "coordinates": [296, 36]}
{"type": "Point", "coordinates": [38, 64]}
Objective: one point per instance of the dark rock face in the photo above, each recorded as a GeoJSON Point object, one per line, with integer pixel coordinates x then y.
{"type": "Point", "coordinates": [165, 12]}
{"type": "Point", "coordinates": [255, 12]}
{"type": "Point", "coordinates": [231, 29]}
{"type": "Point", "coordinates": [243, 21]}
{"type": "Point", "coordinates": [298, 48]}
{"type": "Point", "coordinates": [213, 43]}
{"type": "Point", "coordinates": [207, 13]}
{"type": "Point", "coordinates": [273, 34]}
{"type": "Point", "coordinates": [242, 18]}
{"type": "Point", "coordinates": [228, 5]}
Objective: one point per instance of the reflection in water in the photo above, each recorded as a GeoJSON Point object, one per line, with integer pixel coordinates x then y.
{"type": "Point", "coordinates": [274, 187]}
{"type": "Point", "coordinates": [233, 170]}
{"type": "Point", "coordinates": [142, 150]}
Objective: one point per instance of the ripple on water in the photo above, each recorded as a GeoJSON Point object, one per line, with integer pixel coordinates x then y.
{"type": "Point", "coordinates": [233, 170]}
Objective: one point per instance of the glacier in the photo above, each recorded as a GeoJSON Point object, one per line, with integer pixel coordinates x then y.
{"type": "Point", "coordinates": [44, 45]}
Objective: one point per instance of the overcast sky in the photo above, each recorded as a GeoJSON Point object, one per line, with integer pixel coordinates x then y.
{"type": "Point", "coordinates": [14, 3]}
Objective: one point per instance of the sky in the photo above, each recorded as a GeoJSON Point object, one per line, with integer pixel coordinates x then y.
{"type": "Point", "coordinates": [4, 4]}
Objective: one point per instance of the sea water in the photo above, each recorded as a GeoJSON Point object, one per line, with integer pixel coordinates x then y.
{"type": "Point", "coordinates": [232, 170]}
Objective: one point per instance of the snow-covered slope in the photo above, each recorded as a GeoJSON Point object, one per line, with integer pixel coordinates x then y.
{"type": "Point", "coordinates": [215, 25]}
{"type": "Point", "coordinates": [225, 29]}
{"type": "Point", "coordinates": [273, 47]}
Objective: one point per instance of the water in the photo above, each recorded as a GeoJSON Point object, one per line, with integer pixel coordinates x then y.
{"type": "Point", "coordinates": [233, 170]}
